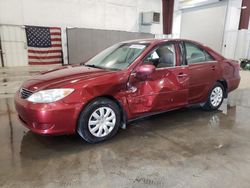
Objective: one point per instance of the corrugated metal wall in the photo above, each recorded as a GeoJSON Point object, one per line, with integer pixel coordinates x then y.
{"type": "Point", "coordinates": [14, 45]}
{"type": "Point", "coordinates": [85, 43]}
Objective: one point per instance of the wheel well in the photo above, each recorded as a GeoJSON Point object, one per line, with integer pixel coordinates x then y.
{"type": "Point", "coordinates": [123, 113]}
{"type": "Point", "coordinates": [224, 83]}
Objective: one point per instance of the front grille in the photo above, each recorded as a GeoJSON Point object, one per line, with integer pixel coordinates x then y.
{"type": "Point", "coordinates": [25, 93]}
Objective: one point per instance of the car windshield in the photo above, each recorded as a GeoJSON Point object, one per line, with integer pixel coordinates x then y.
{"type": "Point", "coordinates": [117, 57]}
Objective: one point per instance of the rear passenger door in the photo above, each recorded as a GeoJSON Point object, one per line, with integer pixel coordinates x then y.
{"type": "Point", "coordinates": [203, 72]}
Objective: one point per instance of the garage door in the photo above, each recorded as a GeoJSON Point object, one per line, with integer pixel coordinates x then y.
{"type": "Point", "coordinates": [205, 24]}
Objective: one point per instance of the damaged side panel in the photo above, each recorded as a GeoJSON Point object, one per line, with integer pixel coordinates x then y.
{"type": "Point", "coordinates": [116, 91]}
{"type": "Point", "coordinates": [163, 90]}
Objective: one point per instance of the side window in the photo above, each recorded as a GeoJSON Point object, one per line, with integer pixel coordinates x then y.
{"type": "Point", "coordinates": [195, 54]}
{"type": "Point", "coordinates": [162, 56]}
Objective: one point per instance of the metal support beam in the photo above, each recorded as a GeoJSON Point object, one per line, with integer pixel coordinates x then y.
{"type": "Point", "coordinates": [1, 53]}
{"type": "Point", "coordinates": [167, 14]}
{"type": "Point", "coordinates": [245, 13]}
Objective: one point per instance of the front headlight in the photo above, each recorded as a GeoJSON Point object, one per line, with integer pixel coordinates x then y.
{"type": "Point", "coordinates": [49, 95]}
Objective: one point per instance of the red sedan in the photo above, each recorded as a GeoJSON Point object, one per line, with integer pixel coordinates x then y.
{"type": "Point", "coordinates": [126, 81]}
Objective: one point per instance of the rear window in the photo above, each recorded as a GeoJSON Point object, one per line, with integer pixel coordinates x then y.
{"type": "Point", "coordinates": [194, 54]}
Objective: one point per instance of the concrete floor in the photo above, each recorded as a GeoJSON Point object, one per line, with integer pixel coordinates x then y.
{"type": "Point", "coordinates": [12, 78]}
{"type": "Point", "coordinates": [183, 148]}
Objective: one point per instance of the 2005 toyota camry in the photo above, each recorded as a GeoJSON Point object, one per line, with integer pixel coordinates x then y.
{"type": "Point", "coordinates": [125, 81]}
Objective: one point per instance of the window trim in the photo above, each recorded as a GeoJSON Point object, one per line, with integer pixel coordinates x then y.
{"type": "Point", "coordinates": [183, 55]}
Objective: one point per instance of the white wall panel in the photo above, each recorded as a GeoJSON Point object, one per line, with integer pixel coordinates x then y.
{"type": "Point", "coordinates": [230, 42]}
{"type": "Point", "coordinates": [233, 15]}
{"type": "Point", "coordinates": [113, 14]}
{"type": "Point", "coordinates": [0, 62]}
{"type": "Point", "coordinates": [231, 33]}
{"type": "Point", "coordinates": [241, 50]}
{"type": "Point", "coordinates": [131, 3]}
{"type": "Point", "coordinates": [98, 14]}
{"type": "Point", "coordinates": [14, 45]}
{"type": "Point", "coordinates": [176, 30]}
{"type": "Point", "coordinates": [11, 12]}
{"type": "Point", "coordinates": [92, 14]}
{"type": "Point", "coordinates": [248, 44]}
{"type": "Point", "coordinates": [145, 6]}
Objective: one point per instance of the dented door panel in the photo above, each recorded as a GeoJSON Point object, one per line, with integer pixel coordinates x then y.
{"type": "Point", "coordinates": [164, 89]}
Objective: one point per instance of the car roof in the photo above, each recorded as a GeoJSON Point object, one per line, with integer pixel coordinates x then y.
{"type": "Point", "coordinates": [157, 41]}
{"type": "Point", "coordinates": [145, 41]}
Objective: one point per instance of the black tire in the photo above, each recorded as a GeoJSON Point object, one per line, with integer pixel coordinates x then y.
{"type": "Point", "coordinates": [208, 104]}
{"type": "Point", "coordinates": [83, 128]}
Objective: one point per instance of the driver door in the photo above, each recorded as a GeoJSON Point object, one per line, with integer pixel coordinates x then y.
{"type": "Point", "coordinates": [165, 88]}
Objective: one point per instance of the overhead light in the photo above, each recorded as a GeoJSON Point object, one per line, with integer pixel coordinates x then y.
{"type": "Point", "coordinates": [195, 3]}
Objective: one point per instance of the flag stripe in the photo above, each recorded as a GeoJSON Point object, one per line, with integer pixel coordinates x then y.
{"type": "Point", "coordinates": [43, 52]}
{"type": "Point", "coordinates": [45, 60]}
{"type": "Point", "coordinates": [55, 36]}
{"type": "Point", "coordinates": [55, 33]}
{"type": "Point", "coordinates": [42, 63]}
{"type": "Point", "coordinates": [55, 28]}
{"type": "Point", "coordinates": [48, 57]}
{"type": "Point", "coordinates": [44, 49]}
{"type": "Point", "coordinates": [56, 42]}
{"type": "Point", "coordinates": [35, 56]}
{"type": "Point", "coordinates": [56, 45]}
{"type": "Point", "coordinates": [56, 39]}
{"type": "Point", "coordinates": [45, 55]}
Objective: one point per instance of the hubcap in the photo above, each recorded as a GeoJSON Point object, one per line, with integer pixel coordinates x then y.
{"type": "Point", "coordinates": [102, 121]}
{"type": "Point", "coordinates": [216, 96]}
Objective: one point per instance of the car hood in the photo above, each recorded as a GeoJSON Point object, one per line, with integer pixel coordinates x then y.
{"type": "Point", "coordinates": [62, 76]}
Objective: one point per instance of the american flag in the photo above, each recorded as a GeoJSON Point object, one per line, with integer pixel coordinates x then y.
{"type": "Point", "coordinates": [44, 45]}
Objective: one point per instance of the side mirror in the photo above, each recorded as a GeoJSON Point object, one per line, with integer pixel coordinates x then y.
{"type": "Point", "coordinates": [143, 71]}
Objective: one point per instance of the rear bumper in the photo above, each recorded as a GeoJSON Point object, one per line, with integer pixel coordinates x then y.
{"type": "Point", "coordinates": [48, 119]}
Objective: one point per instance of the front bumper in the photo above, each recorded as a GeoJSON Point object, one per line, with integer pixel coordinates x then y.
{"type": "Point", "coordinates": [48, 119]}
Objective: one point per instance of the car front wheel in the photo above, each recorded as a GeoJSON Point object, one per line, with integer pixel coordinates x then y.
{"type": "Point", "coordinates": [215, 97]}
{"type": "Point", "coordinates": [99, 121]}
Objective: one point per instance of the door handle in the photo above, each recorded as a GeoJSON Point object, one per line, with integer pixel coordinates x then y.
{"type": "Point", "coordinates": [213, 67]}
{"type": "Point", "coordinates": [181, 75]}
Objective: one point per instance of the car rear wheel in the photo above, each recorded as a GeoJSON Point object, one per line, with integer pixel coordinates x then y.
{"type": "Point", "coordinates": [215, 97]}
{"type": "Point", "coordinates": [99, 120]}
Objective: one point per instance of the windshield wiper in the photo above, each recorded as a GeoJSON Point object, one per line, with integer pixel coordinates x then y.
{"type": "Point", "coordinates": [94, 66]}
{"type": "Point", "coordinates": [106, 68]}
